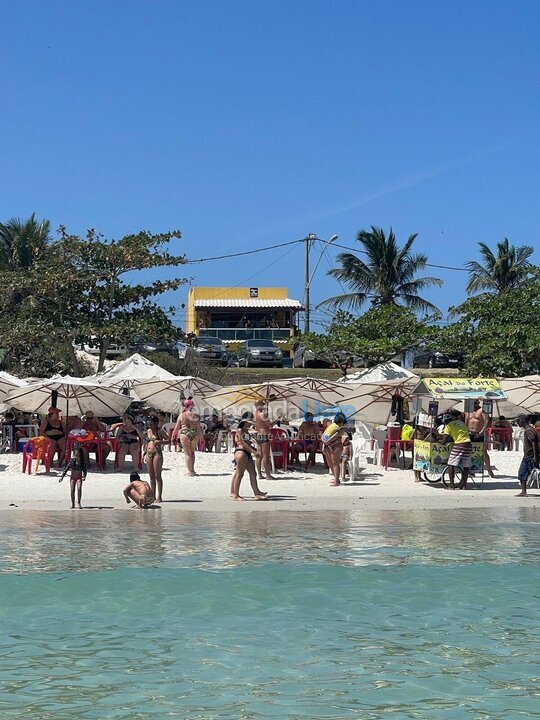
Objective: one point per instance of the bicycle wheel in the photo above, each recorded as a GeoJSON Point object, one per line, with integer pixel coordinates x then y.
{"type": "Point", "coordinates": [432, 476]}
{"type": "Point", "coordinates": [446, 476]}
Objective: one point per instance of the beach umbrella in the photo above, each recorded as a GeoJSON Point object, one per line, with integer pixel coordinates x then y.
{"type": "Point", "coordinates": [376, 402]}
{"type": "Point", "coordinates": [73, 396]}
{"type": "Point", "coordinates": [379, 374]}
{"type": "Point", "coordinates": [523, 392]}
{"type": "Point", "coordinates": [291, 398]}
{"type": "Point", "coordinates": [124, 374]}
{"type": "Point", "coordinates": [165, 394]}
{"type": "Point", "coordinates": [8, 382]}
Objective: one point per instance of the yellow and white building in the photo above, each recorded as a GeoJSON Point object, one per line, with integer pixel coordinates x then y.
{"type": "Point", "coordinates": [238, 314]}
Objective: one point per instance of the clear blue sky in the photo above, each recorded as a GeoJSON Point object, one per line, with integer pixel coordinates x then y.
{"type": "Point", "coordinates": [247, 123]}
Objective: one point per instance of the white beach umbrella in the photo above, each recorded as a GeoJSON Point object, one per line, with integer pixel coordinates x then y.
{"type": "Point", "coordinates": [523, 392]}
{"type": "Point", "coordinates": [75, 396]}
{"type": "Point", "coordinates": [124, 374]}
{"type": "Point", "coordinates": [379, 374]}
{"type": "Point", "coordinates": [291, 398]}
{"type": "Point", "coordinates": [372, 402]}
{"type": "Point", "coordinates": [8, 382]}
{"type": "Point", "coordinates": [165, 394]}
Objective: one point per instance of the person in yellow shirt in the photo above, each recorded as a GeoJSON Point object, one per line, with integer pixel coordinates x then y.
{"type": "Point", "coordinates": [455, 431]}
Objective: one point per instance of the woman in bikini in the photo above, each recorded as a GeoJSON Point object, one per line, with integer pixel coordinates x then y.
{"type": "Point", "coordinates": [153, 440]}
{"type": "Point", "coordinates": [188, 428]}
{"type": "Point", "coordinates": [53, 430]}
{"type": "Point", "coordinates": [129, 440]}
{"type": "Point", "coordinates": [244, 452]}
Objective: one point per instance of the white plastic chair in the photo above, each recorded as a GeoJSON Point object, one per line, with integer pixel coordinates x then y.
{"type": "Point", "coordinates": [517, 437]}
{"type": "Point", "coordinates": [362, 452]}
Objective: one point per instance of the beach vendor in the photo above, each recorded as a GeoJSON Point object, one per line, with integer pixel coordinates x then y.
{"type": "Point", "coordinates": [457, 432]}
{"type": "Point", "coordinates": [332, 444]}
{"type": "Point", "coordinates": [139, 491]}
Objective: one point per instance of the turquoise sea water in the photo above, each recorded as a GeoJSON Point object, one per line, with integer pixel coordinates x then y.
{"type": "Point", "coordinates": [428, 614]}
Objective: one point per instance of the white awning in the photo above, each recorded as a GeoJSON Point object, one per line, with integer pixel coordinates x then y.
{"type": "Point", "coordinates": [248, 303]}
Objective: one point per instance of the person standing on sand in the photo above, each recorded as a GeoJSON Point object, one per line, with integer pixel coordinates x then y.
{"type": "Point", "coordinates": [189, 431]}
{"type": "Point", "coordinates": [332, 444]}
{"type": "Point", "coordinates": [139, 491]}
{"type": "Point", "coordinates": [531, 454]}
{"type": "Point", "coordinates": [244, 452]}
{"type": "Point", "coordinates": [264, 437]}
{"type": "Point", "coordinates": [477, 422]}
{"type": "Point", "coordinates": [77, 469]}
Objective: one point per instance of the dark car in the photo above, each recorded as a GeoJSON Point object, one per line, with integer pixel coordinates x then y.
{"type": "Point", "coordinates": [260, 352]}
{"type": "Point", "coordinates": [212, 349]}
{"type": "Point", "coordinates": [435, 359]}
{"type": "Point", "coordinates": [304, 358]}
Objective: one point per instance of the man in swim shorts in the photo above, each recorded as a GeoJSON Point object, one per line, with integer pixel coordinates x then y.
{"type": "Point", "coordinates": [139, 491]}
{"type": "Point", "coordinates": [531, 453]}
{"type": "Point", "coordinates": [264, 437]}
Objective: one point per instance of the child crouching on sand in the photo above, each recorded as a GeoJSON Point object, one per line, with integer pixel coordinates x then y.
{"type": "Point", "coordinates": [77, 469]}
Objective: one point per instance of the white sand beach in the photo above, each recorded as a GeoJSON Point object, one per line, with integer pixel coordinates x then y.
{"type": "Point", "coordinates": [292, 490]}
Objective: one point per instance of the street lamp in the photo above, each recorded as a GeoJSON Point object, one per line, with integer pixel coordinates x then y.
{"type": "Point", "coordinates": [309, 240]}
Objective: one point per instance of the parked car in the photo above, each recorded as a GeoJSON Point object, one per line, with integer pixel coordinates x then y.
{"type": "Point", "coordinates": [114, 350]}
{"type": "Point", "coordinates": [304, 358]}
{"type": "Point", "coordinates": [435, 359]}
{"type": "Point", "coordinates": [259, 352]}
{"type": "Point", "coordinates": [212, 349]}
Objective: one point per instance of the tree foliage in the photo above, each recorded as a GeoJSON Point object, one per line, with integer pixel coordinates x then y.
{"type": "Point", "coordinates": [507, 269]}
{"type": "Point", "coordinates": [500, 334]}
{"type": "Point", "coordinates": [376, 336]}
{"type": "Point", "coordinates": [387, 277]}
{"type": "Point", "coordinates": [81, 290]}
{"type": "Point", "coordinates": [22, 242]}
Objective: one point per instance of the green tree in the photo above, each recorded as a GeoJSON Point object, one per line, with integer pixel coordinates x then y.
{"type": "Point", "coordinates": [22, 242]}
{"type": "Point", "coordinates": [499, 333]}
{"type": "Point", "coordinates": [507, 269]}
{"type": "Point", "coordinates": [387, 277]}
{"type": "Point", "coordinates": [82, 290]}
{"type": "Point", "coordinates": [376, 336]}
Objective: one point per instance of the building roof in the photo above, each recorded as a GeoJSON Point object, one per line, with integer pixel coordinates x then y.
{"type": "Point", "coordinates": [251, 303]}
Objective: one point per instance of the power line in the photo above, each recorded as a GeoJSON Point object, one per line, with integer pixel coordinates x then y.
{"type": "Point", "coordinates": [441, 267]}
{"type": "Point", "coordinates": [245, 252]}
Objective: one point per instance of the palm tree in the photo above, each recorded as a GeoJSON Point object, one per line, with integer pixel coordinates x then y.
{"type": "Point", "coordinates": [387, 277]}
{"type": "Point", "coordinates": [506, 270]}
{"type": "Point", "coordinates": [22, 241]}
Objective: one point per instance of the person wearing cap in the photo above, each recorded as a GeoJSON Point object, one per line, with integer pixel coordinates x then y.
{"type": "Point", "coordinates": [245, 449]}
{"type": "Point", "coordinates": [457, 432]}
{"type": "Point", "coordinates": [531, 454]}
{"type": "Point", "coordinates": [52, 428]}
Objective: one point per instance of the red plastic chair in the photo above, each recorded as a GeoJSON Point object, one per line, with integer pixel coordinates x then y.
{"type": "Point", "coordinates": [279, 447]}
{"type": "Point", "coordinates": [37, 448]}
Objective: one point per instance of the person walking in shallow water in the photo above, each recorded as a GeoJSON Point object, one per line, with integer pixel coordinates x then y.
{"type": "Point", "coordinates": [531, 453]}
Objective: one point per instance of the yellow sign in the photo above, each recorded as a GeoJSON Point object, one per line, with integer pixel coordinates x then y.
{"type": "Point", "coordinates": [461, 388]}
{"type": "Point", "coordinates": [433, 457]}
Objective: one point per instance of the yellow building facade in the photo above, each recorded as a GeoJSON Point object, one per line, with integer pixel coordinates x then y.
{"type": "Point", "coordinates": [243, 313]}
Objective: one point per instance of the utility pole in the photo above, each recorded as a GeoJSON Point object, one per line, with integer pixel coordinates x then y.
{"type": "Point", "coordinates": [309, 241]}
